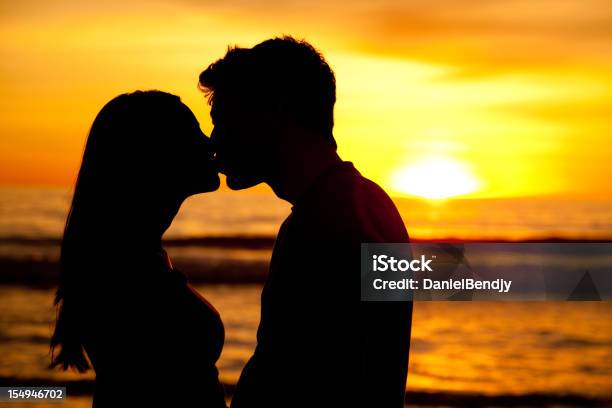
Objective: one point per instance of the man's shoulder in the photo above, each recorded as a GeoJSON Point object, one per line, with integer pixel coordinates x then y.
{"type": "Point", "coordinates": [344, 181]}
{"type": "Point", "coordinates": [378, 214]}
{"type": "Point", "coordinates": [359, 205]}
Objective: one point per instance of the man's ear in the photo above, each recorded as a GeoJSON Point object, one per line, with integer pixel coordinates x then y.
{"type": "Point", "coordinates": [284, 114]}
{"type": "Point", "coordinates": [280, 111]}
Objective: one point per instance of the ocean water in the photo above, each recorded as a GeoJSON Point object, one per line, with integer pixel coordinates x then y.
{"type": "Point", "coordinates": [476, 348]}
{"type": "Point", "coordinates": [36, 213]}
{"type": "Point", "coordinates": [559, 350]}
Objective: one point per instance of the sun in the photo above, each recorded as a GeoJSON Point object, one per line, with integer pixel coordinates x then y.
{"type": "Point", "coordinates": [435, 177]}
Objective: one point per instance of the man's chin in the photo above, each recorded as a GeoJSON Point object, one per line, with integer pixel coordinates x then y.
{"type": "Point", "coordinates": [239, 183]}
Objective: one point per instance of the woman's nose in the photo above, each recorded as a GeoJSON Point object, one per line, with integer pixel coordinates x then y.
{"type": "Point", "coordinates": [214, 137]}
{"type": "Point", "coordinates": [207, 145]}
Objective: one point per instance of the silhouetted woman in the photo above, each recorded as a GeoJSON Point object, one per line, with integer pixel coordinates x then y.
{"type": "Point", "coordinates": [121, 306]}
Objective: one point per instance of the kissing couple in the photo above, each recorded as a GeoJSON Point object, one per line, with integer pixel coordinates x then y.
{"type": "Point", "coordinates": [151, 339]}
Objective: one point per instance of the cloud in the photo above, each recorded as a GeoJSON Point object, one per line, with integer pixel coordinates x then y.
{"type": "Point", "coordinates": [485, 38]}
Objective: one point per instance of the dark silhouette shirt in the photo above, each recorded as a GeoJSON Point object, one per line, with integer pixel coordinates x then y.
{"type": "Point", "coordinates": [317, 344]}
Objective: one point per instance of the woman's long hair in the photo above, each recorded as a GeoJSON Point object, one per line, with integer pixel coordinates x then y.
{"type": "Point", "coordinates": [129, 144]}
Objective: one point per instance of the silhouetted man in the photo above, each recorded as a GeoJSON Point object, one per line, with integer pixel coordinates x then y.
{"type": "Point", "coordinates": [317, 344]}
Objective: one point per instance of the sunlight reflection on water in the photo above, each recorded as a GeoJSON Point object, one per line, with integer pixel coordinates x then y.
{"type": "Point", "coordinates": [480, 347]}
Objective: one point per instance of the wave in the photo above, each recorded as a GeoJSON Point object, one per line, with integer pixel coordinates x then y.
{"type": "Point", "coordinates": [44, 273]}
{"type": "Point", "coordinates": [229, 241]}
{"type": "Point", "coordinates": [34, 261]}
{"type": "Point", "coordinates": [267, 241]}
{"type": "Point", "coordinates": [85, 387]}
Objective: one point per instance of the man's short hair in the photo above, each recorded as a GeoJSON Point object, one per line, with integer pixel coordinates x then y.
{"type": "Point", "coordinates": [283, 70]}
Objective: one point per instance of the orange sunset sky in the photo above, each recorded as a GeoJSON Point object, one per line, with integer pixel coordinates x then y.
{"type": "Point", "coordinates": [435, 98]}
